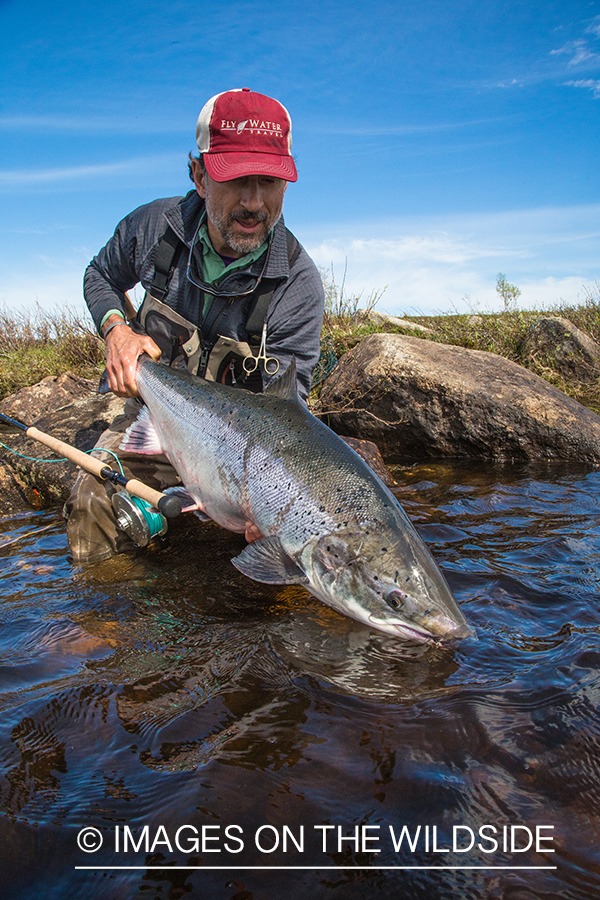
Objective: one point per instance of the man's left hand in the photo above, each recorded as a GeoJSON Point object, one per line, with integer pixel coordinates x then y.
{"type": "Point", "coordinates": [252, 533]}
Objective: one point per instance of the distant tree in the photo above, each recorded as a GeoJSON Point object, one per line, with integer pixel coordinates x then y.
{"type": "Point", "coordinates": [508, 293]}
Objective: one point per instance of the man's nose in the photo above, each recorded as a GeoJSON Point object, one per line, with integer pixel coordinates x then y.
{"type": "Point", "coordinates": [251, 196]}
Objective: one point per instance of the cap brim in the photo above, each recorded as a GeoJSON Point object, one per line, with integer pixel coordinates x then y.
{"type": "Point", "coordinates": [227, 166]}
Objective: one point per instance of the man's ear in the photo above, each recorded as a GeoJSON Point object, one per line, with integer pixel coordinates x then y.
{"type": "Point", "coordinates": [199, 179]}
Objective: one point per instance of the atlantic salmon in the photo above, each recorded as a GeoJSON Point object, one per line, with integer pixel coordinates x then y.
{"type": "Point", "coordinates": [328, 522]}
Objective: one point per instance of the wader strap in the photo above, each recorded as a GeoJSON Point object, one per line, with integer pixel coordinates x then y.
{"type": "Point", "coordinates": [164, 263]}
{"type": "Point", "coordinates": [256, 319]}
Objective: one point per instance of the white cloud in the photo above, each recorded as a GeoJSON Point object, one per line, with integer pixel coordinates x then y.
{"type": "Point", "coordinates": [594, 28]}
{"type": "Point", "coordinates": [115, 124]}
{"type": "Point", "coordinates": [46, 284]}
{"type": "Point", "coordinates": [586, 83]}
{"type": "Point", "coordinates": [16, 177]}
{"type": "Point", "coordinates": [438, 264]}
{"type": "Point", "coordinates": [579, 50]}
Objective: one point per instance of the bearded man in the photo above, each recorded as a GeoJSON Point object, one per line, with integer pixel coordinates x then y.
{"type": "Point", "coordinates": [225, 282]}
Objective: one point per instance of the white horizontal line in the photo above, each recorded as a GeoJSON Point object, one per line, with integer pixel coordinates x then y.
{"type": "Point", "coordinates": [303, 868]}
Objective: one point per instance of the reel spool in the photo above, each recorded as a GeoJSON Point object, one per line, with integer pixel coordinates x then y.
{"type": "Point", "coordinates": [140, 521]}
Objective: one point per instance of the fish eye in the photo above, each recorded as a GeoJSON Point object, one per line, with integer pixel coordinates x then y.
{"type": "Point", "coordinates": [395, 599]}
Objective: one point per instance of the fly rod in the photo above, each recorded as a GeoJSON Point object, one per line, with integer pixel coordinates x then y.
{"type": "Point", "coordinates": [168, 504]}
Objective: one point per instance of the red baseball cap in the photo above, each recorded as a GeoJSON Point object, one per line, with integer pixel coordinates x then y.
{"type": "Point", "coordinates": [241, 133]}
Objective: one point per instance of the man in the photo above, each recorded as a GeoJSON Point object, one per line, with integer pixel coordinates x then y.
{"type": "Point", "coordinates": [223, 279]}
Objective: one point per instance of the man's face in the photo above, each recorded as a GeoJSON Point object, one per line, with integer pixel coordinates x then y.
{"type": "Point", "coordinates": [242, 212]}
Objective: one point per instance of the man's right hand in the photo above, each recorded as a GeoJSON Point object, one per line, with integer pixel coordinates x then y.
{"type": "Point", "coordinates": [123, 347]}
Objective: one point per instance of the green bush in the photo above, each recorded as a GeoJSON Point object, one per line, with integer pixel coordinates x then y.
{"type": "Point", "coordinates": [36, 344]}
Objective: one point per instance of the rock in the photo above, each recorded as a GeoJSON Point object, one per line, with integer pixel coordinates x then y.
{"type": "Point", "coordinates": [378, 318]}
{"type": "Point", "coordinates": [418, 398]}
{"type": "Point", "coordinates": [66, 407]}
{"type": "Point", "coordinates": [50, 393]}
{"type": "Point", "coordinates": [554, 342]}
{"type": "Point", "coordinates": [372, 456]}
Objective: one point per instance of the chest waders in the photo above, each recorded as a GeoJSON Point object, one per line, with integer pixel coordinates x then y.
{"type": "Point", "coordinates": [200, 348]}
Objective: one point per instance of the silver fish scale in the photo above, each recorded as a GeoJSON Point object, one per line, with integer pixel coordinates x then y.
{"type": "Point", "coordinates": [258, 457]}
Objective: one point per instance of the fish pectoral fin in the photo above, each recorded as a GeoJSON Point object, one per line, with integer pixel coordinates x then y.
{"type": "Point", "coordinates": [141, 436]}
{"type": "Point", "coordinates": [266, 560]}
{"type": "Point", "coordinates": [187, 502]}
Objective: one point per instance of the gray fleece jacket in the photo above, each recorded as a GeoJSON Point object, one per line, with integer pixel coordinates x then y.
{"type": "Point", "coordinates": [295, 313]}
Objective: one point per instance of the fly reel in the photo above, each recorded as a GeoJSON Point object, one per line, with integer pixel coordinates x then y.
{"type": "Point", "coordinates": [137, 518]}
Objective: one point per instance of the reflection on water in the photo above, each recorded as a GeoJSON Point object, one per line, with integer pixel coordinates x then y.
{"type": "Point", "coordinates": [168, 690]}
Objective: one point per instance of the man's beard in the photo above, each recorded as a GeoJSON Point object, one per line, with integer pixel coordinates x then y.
{"type": "Point", "coordinates": [241, 243]}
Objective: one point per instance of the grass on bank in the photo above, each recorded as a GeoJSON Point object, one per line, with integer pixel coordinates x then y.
{"type": "Point", "coordinates": [36, 344]}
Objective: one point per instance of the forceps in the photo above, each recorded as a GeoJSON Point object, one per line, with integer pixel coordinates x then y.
{"type": "Point", "coordinates": [271, 364]}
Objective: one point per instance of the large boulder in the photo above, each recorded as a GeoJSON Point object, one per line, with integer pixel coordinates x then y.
{"type": "Point", "coordinates": [66, 407]}
{"type": "Point", "coordinates": [555, 343]}
{"type": "Point", "coordinates": [415, 398]}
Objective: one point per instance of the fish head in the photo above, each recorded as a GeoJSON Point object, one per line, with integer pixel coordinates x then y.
{"type": "Point", "coordinates": [390, 583]}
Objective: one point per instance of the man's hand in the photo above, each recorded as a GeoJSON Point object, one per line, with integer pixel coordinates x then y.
{"type": "Point", "coordinates": [123, 346]}
{"type": "Point", "coordinates": [252, 533]}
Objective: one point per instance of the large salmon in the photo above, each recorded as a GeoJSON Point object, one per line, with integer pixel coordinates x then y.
{"type": "Point", "coordinates": [328, 521]}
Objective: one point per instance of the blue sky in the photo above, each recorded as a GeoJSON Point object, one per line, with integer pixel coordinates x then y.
{"type": "Point", "coordinates": [437, 143]}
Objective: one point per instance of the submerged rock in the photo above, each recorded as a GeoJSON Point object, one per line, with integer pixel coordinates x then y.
{"type": "Point", "coordinates": [371, 455]}
{"type": "Point", "coordinates": [416, 399]}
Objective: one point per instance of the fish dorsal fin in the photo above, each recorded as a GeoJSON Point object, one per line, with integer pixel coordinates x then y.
{"type": "Point", "coordinates": [266, 560]}
{"type": "Point", "coordinates": [285, 386]}
{"type": "Point", "coordinates": [141, 436]}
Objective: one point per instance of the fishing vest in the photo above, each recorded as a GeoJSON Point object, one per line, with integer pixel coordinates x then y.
{"type": "Point", "coordinates": [201, 349]}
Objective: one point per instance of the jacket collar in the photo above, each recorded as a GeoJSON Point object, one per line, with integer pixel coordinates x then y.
{"type": "Point", "coordinates": [185, 215]}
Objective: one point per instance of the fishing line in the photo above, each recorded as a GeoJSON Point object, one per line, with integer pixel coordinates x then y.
{"type": "Point", "coordinates": [62, 458]}
{"type": "Point", "coordinates": [137, 517]}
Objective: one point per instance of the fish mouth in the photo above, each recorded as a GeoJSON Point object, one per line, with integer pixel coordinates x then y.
{"type": "Point", "coordinates": [422, 635]}
{"type": "Point", "coordinates": [403, 630]}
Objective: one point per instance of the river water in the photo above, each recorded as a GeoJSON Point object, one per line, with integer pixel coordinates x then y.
{"type": "Point", "coordinates": [194, 718]}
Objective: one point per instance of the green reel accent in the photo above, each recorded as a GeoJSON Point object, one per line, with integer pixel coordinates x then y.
{"type": "Point", "coordinates": [140, 521]}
